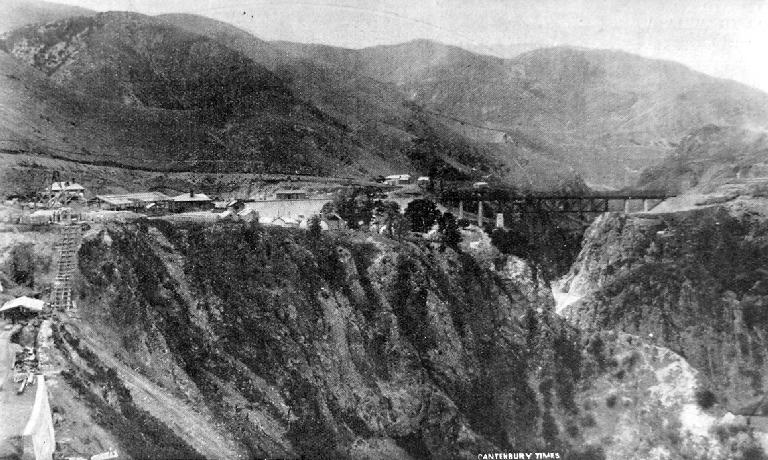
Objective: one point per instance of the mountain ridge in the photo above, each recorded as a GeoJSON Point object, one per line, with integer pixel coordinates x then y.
{"type": "Point", "coordinates": [604, 109]}
{"type": "Point", "coordinates": [547, 115]}
{"type": "Point", "coordinates": [17, 13]}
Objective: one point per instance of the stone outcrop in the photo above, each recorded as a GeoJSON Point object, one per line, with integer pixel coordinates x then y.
{"type": "Point", "coordinates": [340, 347]}
{"type": "Point", "coordinates": [693, 281]}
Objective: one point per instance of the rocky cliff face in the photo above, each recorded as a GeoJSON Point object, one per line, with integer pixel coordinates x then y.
{"type": "Point", "coordinates": [692, 281]}
{"type": "Point", "coordinates": [238, 342]}
{"type": "Point", "coordinates": [281, 345]}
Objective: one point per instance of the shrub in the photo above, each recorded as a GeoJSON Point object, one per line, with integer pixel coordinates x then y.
{"type": "Point", "coordinates": [422, 214]}
{"type": "Point", "coordinates": [587, 453]}
{"type": "Point", "coordinates": [588, 420]}
{"type": "Point", "coordinates": [22, 265]}
{"type": "Point", "coordinates": [549, 430]}
{"type": "Point", "coordinates": [449, 230]}
{"type": "Point", "coordinates": [315, 230]}
{"type": "Point", "coordinates": [705, 398]}
{"type": "Point", "coordinates": [355, 205]}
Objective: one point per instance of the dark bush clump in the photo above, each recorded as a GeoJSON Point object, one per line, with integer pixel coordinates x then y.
{"type": "Point", "coordinates": [22, 265]}
{"type": "Point", "coordinates": [705, 398]}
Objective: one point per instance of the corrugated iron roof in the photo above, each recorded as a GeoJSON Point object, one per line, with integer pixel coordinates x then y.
{"type": "Point", "coordinates": [128, 198]}
{"type": "Point", "coordinates": [24, 302]}
{"type": "Point", "coordinates": [69, 187]}
{"type": "Point", "coordinates": [186, 197]}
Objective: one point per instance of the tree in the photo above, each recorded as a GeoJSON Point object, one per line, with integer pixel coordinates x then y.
{"type": "Point", "coordinates": [399, 227]}
{"type": "Point", "coordinates": [355, 205]}
{"type": "Point", "coordinates": [386, 213]}
{"type": "Point", "coordinates": [22, 265]}
{"type": "Point", "coordinates": [421, 214]}
{"type": "Point", "coordinates": [449, 230]}
{"type": "Point", "coordinates": [314, 229]}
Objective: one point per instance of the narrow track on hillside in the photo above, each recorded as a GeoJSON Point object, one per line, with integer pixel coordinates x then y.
{"type": "Point", "coordinates": [61, 294]}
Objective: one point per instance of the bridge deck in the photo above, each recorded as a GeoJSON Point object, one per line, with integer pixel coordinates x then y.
{"type": "Point", "coordinates": [508, 195]}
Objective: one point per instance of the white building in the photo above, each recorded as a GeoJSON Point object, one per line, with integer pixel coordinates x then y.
{"type": "Point", "coordinates": [398, 179]}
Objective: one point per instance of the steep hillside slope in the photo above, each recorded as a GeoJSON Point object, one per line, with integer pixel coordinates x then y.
{"type": "Point", "coordinates": [241, 342]}
{"type": "Point", "coordinates": [709, 156]}
{"type": "Point", "coordinates": [137, 60]}
{"type": "Point", "coordinates": [226, 110]}
{"type": "Point", "coordinates": [693, 281]}
{"type": "Point", "coordinates": [379, 113]}
{"type": "Point", "coordinates": [174, 99]}
{"type": "Point", "coordinates": [238, 341]}
{"type": "Point", "coordinates": [42, 118]}
{"type": "Point", "coordinates": [598, 111]}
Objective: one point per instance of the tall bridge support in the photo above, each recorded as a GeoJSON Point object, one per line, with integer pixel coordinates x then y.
{"type": "Point", "coordinates": [627, 202]}
{"type": "Point", "coordinates": [461, 210]}
{"type": "Point", "coordinates": [480, 213]}
{"type": "Point", "coordinates": [646, 205]}
{"type": "Point", "coordinates": [499, 220]}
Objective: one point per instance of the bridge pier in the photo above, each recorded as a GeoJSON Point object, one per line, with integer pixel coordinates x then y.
{"type": "Point", "coordinates": [480, 213]}
{"type": "Point", "coordinates": [461, 210]}
{"type": "Point", "coordinates": [627, 202]}
{"type": "Point", "coordinates": [646, 205]}
{"type": "Point", "coordinates": [499, 220]}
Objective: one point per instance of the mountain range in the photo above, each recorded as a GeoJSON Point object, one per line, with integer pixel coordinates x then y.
{"type": "Point", "coordinates": [185, 92]}
{"type": "Point", "coordinates": [595, 110]}
{"type": "Point", "coordinates": [711, 156]}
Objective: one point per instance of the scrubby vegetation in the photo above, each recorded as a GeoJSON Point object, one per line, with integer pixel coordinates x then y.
{"type": "Point", "coordinates": [142, 435]}
{"type": "Point", "coordinates": [422, 215]}
{"type": "Point", "coordinates": [550, 243]}
{"type": "Point", "coordinates": [285, 304]}
{"type": "Point", "coordinates": [22, 265]}
{"type": "Point", "coordinates": [705, 398]}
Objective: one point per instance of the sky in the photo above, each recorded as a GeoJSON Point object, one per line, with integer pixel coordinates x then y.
{"type": "Point", "coordinates": [723, 38]}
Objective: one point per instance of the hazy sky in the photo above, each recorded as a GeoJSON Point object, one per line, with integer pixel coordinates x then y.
{"type": "Point", "coordinates": [724, 38]}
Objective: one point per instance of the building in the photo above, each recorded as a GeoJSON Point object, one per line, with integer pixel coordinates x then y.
{"type": "Point", "coordinates": [236, 205]}
{"type": "Point", "coordinates": [248, 215]}
{"type": "Point", "coordinates": [328, 221]}
{"type": "Point", "coordinates": [191, 201]}
{"type": "Point", "coordinates": [291, 195]}
{"type": "Point", "coordinates": [21, 308]}
{"type": "Point", "coordinates": [138, 202]}
{"type": "Point", "coordinates": [398, 179]}
{"type": "Point", "coordinates": [64, 192]}
{"type": "Point", "coordinates": [284, 222]}
{"type": "Point", "coordinates": [69, 187]}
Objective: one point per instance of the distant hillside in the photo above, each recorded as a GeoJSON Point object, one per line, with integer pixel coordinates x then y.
{"type": "Point", "coordinates": [379, 113]}
{"type": "Point", "coordinates": [17, 13]}
{"type": "Point", "coordinates": [401, 64]}
{"type": "Point", "coordinates": [141, 61]}
{"type": "Point", "coordinates": [708, 156]}
{"type": "Point", "coordinates": [127, 89]}
{"type": "Point", "coordinates": [606, 113]}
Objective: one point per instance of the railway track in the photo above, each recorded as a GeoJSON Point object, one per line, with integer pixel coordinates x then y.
{"type": "Point", "coordinates": [61, 295]}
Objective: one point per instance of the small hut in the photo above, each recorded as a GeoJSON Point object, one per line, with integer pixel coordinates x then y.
{"type": "Point", "coordinates": [21, 308]}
